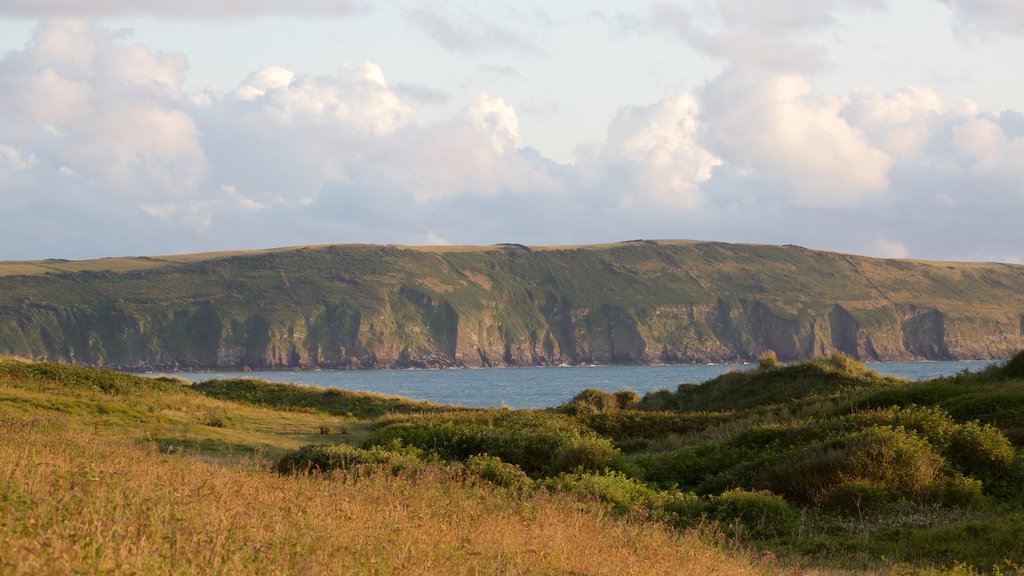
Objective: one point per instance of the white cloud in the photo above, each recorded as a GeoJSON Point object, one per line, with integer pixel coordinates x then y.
{"type": "Point", "coordinates": [464, 30]}
{"type": "Point", "coordinates": [102, 150]}
{"type": "Point", "coordinates": [885, 248]}
{"type": "Point", "coordinates": [779, 16]}
{"type": "Point", "coordinates": [777, 127]}
{"type": "Point", "coordinates": [981, 15]}
{"type": "Point", "coordinates": [178, 9]}
{"type": "Point", "coordinates": [652, 152]}
{"type": "Point", "coordinates": [899, 122]}
{"type": "Point", "coordinates": [114, 114]}
{"type": "Point", "coordinates": [758, 33]}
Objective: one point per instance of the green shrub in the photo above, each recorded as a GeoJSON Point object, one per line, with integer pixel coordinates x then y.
{"type": "Point", "coordinates": [758, 514]}
{"type": "Point", "coordinates": [590, 454]}
{"type": "Point", "coordinates": [315, 459]}
{"type": "Point", "coordinates": [981, 451]}
{"type": "Point", "coordinates": [901, 461]}
{"type": "Point", "coordinates": [858, 497]}
{"type": "Point", "coordinates": [538, 442]}
{"type": "Point", "coordinates": [620, 491]}
{"type": "Point", "coordinates": [636, 424]}
{"type": "Point", "coordinates": [768, 361]}
{"type": "Point", "coordinates": [690, 466]}
{"type": "Point", "coordinates": [627, 399]}
{"type": "Point", "coordinates": [591, 402]}
{"type": "Point", "coordinates": [493, 470]}
{"type": "Point", "coordinates": [658, 400]}
{"type": "Point", "coordinates": [958, 490]}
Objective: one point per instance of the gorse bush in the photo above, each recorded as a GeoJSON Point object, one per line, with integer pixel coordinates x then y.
{"type": "Point", "coordinates": [627, 399]}
{"type": "Point", "coordinates": [591, 402]}
{"type": "Point", "coordinates": [829, 376]}
{"type": "Point", "coordinates": [902, 462]}
{"type": "Point", "coordinates": [768, 361]}
{"type": "Point", "coordinates": [318, 459]}
{"type": "Point", "coordinates": [493, 470]}
{"type": "Point", "coordinates": [622, 493]}
{"type": "Point", "coordinates": [586, 453]}
{"type": "Point", "coordinates": [539, 443]}
{"type": "Point", "coordinates": [758, 514]}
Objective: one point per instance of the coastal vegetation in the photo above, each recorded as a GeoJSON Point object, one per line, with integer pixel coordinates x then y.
{"type": "Point", "coordinates": [818, 466]}
{"type": "Point", "coordinates": [362, 306]}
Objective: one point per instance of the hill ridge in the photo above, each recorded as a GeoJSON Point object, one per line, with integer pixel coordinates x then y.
{"type": "Point", "coordinates": [377, 306]}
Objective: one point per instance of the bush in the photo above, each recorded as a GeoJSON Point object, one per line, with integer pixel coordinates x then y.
{"type": "Point", "coordinates": [627, 399]}
{"type": "Point", "coordinates": [589, 454]}
{"type": "Point", "coordinates": [658, 400]}
{"type": "Point", "coordinates": [858, 497]}
{"type": "Point", "coordinates": [621, 492]}
{"type": "Point", "coordinates": [537, 442]}
{"type": "Point", "coordinates": [768, 361]}
{"type": "Point", "coordinates": [500, 473]}
{"type": "Point", "coordinates": [758, 514]}
{"type": "Point", "coordinates": [902, 462]}
{"type": "Point", "coordinates": [591, 402]}
{"type": "Point", "coordinates": [315, 459]}
{"type": "Point", "coordinates": [957, 491]}
{"type": "Point", "coordinates": [690, 466]}
{"type": "Point", "coordinates": [981, 451]}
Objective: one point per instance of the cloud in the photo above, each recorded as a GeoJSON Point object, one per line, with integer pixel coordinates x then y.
{"type": "Point", "coordinates": [114, 115]}
{"type": "Point", "coordinates": [464, 30]}
{"type": "Point", "coordinates": [782, 16]}
{"type": "Point", "coordinates": [756, 33]}
{"type": "Point", "coordinates": [779, 129]}
{"type": "Point", "coordinates": [102, 152]}
{"type": "Point", "coordinates": [900, 123]}
{"type": "Point", "coordinates": [981, 15]}
{"type": "Point", "coordinates": [651, 154]}
{"type": "Point", "coordinates": [198, 9]}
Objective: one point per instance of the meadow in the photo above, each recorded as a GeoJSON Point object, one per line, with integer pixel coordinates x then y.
{"type": "Point", "coordinates": [816, 467]}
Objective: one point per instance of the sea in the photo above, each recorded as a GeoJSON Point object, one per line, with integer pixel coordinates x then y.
{"type": "Point", "coordinates": [540, 387]}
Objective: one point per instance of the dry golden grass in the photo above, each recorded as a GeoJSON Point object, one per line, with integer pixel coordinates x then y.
{"type": "Point", "coordinates": [75, 503]}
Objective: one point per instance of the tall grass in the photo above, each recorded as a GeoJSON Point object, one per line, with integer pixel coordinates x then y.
{"type": "Point", "coordinates": [74, 503]}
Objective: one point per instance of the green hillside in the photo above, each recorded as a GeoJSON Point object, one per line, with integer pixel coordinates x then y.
{"type": "Point", "coordinates": [363, 306]}
{"type": "Point", "coordinates": [818, 467]}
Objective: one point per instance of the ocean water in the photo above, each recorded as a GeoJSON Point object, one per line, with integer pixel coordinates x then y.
{"type": "Point", "coordinates": [540, 387]}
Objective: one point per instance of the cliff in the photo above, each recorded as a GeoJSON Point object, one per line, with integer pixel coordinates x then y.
{"type": "Point", "coordinates": [358, 306]}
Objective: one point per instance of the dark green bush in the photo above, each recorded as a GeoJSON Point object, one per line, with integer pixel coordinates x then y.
{"type": "Point", "coordinates": [627, 399]}
{"type": "Point", "coordinates": [500, 473]}
{"type": "Point", "coordinates": [586, 453]}
{"type": "Point", "coordinates": [591, 402]}
{"type": "Point", "coordinates": [690, 466]}
{"type": "Point", "coordinates": [537, 442]}
{"type": "Point", "coordinates": [614, 488]}
{"type": "Point", "coordinates": [757, 514]}
{"type": "Point", "coordinates": [658, 400]}
{"type": "Point", "coordinates": [902, 462]}
{"type": "Point", "coordinates": [957, 490]}
{"type": "Point", "coordinates": [636, 424]}
{"type": "Point", "coordinates": [857, 497]}
{"type": "Point", "coordinates": [315, 459]}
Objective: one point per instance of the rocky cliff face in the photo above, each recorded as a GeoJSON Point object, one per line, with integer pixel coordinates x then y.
{"type": "Point", "coordinates": [626, 304]}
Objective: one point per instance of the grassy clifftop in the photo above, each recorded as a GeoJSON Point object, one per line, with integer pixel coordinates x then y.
{"type": "Point", "coordinates": [384, 306]}
{"type": "Point", "coordinates": [834, 468]}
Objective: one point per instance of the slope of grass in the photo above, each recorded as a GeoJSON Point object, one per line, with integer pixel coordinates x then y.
{"type": "Point", "coordinates": [98, 468]}
{"type": "Point", "coordinates": [311, 398]}
{"type": "Point", "coordinates": [832, 376]}
{"type": "Point", "coordinates": [74, 503]}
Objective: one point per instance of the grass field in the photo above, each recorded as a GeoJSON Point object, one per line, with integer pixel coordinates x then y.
{"type": "Point", "coordinates": [830, 469]}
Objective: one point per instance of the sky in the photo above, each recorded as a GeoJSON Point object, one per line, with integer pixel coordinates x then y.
{"type": "Point", "coordinates": [877, 127]}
